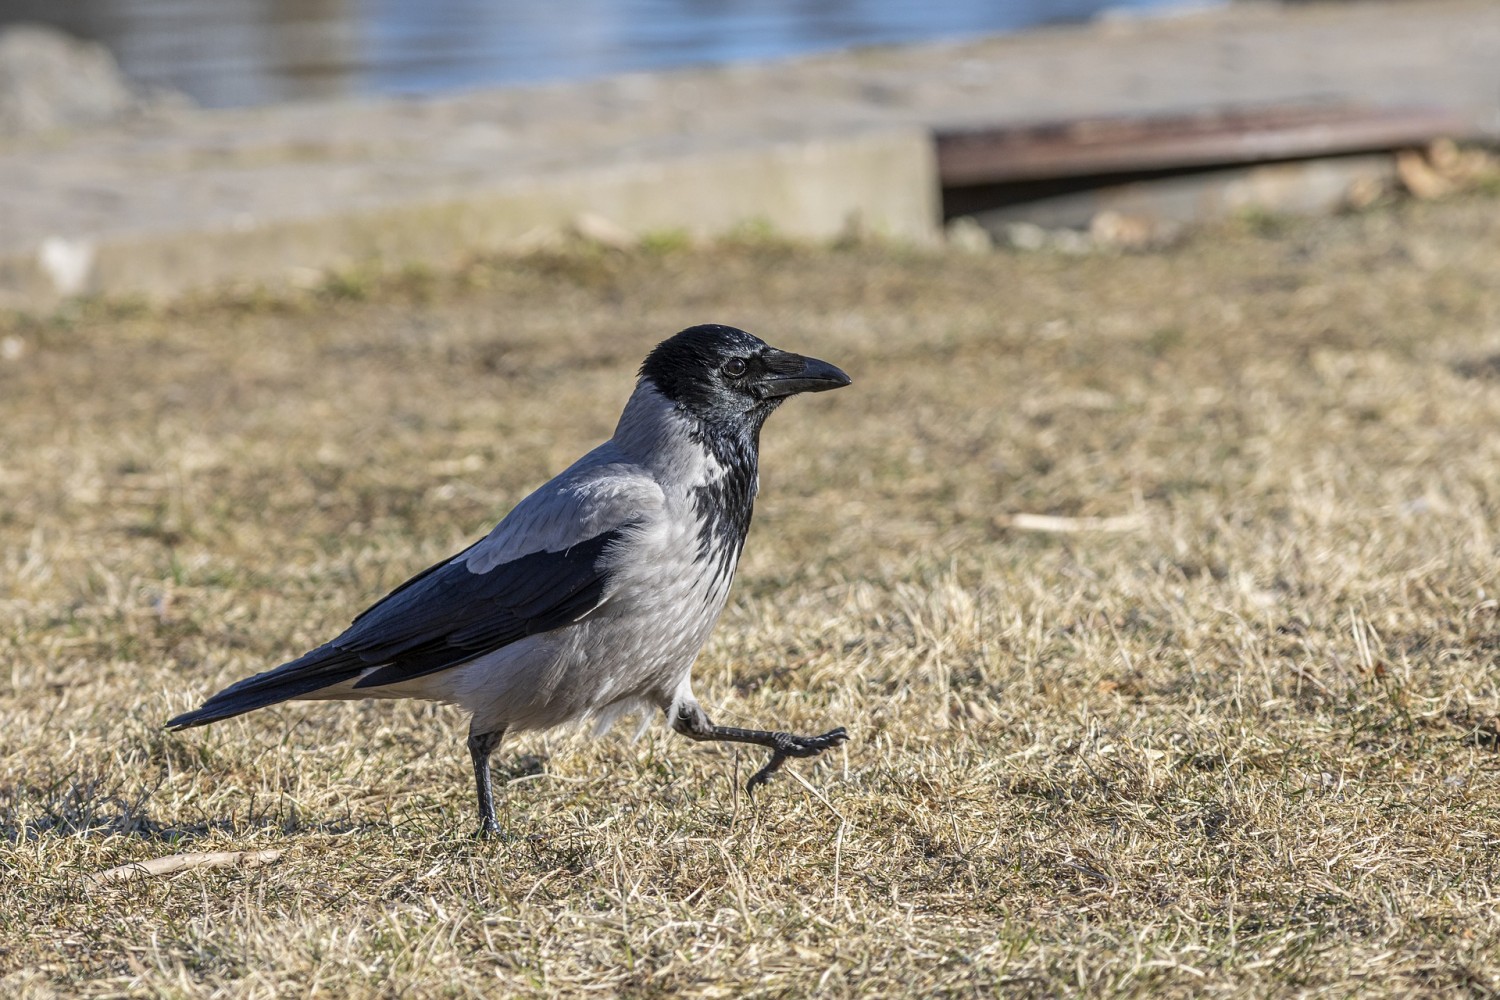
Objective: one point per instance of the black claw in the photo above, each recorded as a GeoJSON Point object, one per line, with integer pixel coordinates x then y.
{"type": "Point", "coordinates": [811, 746]}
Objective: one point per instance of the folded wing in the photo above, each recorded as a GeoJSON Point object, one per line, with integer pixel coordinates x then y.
{"type": "Point", "coordinates": [547, 565]}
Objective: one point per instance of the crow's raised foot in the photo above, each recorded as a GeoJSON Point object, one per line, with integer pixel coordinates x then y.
{"type": "Point", "coordinates": [691, 721]}
{"type": "Point", "coordinates": [784, 745]}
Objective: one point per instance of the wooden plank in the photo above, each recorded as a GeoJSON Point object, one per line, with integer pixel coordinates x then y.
{"type": "Point", "coordinates": [1090, 147]}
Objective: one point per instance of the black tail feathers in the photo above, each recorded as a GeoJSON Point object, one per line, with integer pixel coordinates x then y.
{"type": "Point", "coordinates": [321, 668]}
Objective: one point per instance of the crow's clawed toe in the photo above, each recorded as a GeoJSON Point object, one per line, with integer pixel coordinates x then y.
{"type": "Point", "coordinates": [789, 745]}
{"type": "Point", "coordinates": [809, 746]}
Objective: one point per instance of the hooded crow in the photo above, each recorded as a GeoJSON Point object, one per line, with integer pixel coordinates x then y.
{"type": "Point", "coordinates": [594, 595]}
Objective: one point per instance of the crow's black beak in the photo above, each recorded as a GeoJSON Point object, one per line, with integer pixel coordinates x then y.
{"type": "Point", "coordinates": [788, 374]}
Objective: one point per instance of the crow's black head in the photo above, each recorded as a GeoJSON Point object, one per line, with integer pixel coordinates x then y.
{"type": "Point", "coordinates": [725, 376]}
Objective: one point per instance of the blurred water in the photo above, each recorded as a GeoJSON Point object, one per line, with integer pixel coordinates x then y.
{"type": "Point", "coordinates": [239, 52]}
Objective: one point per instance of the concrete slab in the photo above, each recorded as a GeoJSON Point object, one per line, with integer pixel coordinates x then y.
{"type": "Point", "coordinates": [808, 147]}
{"type": "Point", "coordinates": [869, 182]}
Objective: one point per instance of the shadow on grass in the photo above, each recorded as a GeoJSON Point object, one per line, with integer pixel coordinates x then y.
{"type": "Point", "coordinates": [76, 806]}
{"type": "Point", "coordinates": [82, 809]}
{"type": "Point", "coordinates": [1479, 368]}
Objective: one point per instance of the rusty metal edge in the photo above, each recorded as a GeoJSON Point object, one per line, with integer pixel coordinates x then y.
{"type": "Point", "coordinates": [1085, 147]}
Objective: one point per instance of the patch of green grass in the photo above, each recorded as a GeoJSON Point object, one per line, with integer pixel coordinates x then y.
{"type": "Point", "coordinates": [666, 241]}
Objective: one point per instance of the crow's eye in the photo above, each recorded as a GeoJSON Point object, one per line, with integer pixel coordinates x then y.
{"type": "Point", "coordinates": [734, 367]}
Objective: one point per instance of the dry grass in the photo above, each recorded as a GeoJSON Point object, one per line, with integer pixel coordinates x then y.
{"type": "Point", "coordinates": [1248, 748]}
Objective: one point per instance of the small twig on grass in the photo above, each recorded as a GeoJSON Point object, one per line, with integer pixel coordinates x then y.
{"type": "Point", "coordinates": [174, 863]}
{"type": "Point", "coordinates": [1057, 523]}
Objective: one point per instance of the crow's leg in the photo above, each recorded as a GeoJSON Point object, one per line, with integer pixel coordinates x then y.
{"type": "Point", "coordinates": [481, 745]}
{"type": "Point", "coordinates": [691, 721]}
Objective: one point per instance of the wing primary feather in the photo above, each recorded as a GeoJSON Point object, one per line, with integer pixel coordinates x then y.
{"type": "Point", "coordinates": [435, 567]}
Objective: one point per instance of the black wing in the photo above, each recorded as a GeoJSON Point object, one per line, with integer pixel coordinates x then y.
{"type": "Point", "coordinates": [452, 614]}
{"type": "Point", "coordinates": [442, 617]}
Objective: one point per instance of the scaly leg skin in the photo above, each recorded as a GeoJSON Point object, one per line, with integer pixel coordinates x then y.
{"type": "Point", "coordinates": [481, 745]}
{"type": "Point", "coordinates": [692, 722]}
